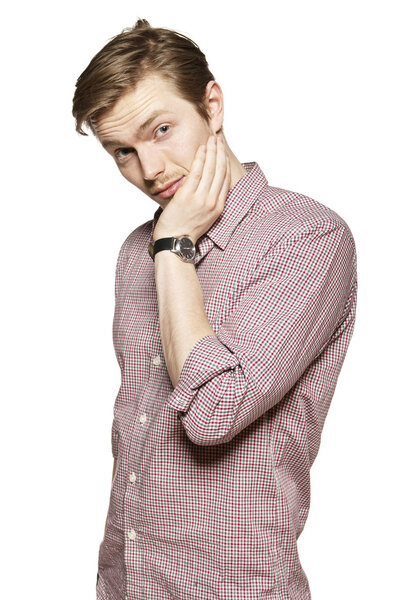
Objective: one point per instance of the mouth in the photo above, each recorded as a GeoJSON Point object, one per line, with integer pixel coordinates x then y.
{"type": "Point", "coordinates": [171, 189]}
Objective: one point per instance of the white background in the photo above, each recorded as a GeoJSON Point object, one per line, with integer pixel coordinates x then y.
{"type": "Point", "coordinates": [311, 93]}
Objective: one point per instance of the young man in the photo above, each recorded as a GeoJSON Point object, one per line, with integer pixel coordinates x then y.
{"type": "Point", "coordinates": [235, 307]}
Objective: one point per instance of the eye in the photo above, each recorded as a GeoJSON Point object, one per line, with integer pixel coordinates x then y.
{"type": "Point", "coordinates": [165, 128]}
{"type": "Point", "coordinates": [123, 152]}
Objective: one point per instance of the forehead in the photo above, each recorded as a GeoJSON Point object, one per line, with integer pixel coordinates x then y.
{"type": "Point", "coordinates": [135, 108]}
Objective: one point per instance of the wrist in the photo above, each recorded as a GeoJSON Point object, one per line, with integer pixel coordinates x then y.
{"type": "Point", "coordinates": [181, 245]}
{"type": "Point", "coordinates": [165, 234]}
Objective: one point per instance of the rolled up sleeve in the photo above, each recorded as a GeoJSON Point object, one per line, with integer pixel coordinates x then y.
{"type": "Point", "coordinates": [286, 314]}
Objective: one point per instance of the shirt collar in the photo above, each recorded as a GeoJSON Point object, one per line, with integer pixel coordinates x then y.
{"type": "Point", "coordinates": [240, 199]}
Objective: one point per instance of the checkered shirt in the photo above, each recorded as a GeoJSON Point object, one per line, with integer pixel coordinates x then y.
{"type": "Point", "coordinates": [212, 484]}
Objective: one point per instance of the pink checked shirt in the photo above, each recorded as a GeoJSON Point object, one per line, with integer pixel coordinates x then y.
{"type": "Point", "coordinates": [212, 484]}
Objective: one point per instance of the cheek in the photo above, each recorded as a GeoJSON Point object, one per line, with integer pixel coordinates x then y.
{"type": "Point", "coordinates": [130, 174]}
{"type": "Point", "coordinates": [126, 172]}
{"type": "Point", "coordinates": [183, 149]}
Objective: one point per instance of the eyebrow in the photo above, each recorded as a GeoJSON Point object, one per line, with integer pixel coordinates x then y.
{"type": "Point", "coordinates": [141, 129]}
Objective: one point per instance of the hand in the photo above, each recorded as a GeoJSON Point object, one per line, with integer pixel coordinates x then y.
{"type": "Point", "coordinates": [200, 200]}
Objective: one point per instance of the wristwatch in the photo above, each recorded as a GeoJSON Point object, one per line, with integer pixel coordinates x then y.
{"type": "Point", "coordinates": [181, 245]}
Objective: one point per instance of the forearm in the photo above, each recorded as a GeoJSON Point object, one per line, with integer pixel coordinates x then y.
{"type": "Point", "coordinates": [182, 315]}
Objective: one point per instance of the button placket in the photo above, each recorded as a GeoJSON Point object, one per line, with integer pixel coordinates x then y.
{"type": "Point", "coordinates": [132, 534]}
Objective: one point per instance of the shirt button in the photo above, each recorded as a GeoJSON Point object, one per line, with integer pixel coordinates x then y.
{"type": "Point", "coordinates": [132, 534]}
{"type": "Point", "coordinates": [132, 477]}
{"type": "Point", "coordinates": [156, 360]}
{"type": "Point", "coordinates": [142, 418]}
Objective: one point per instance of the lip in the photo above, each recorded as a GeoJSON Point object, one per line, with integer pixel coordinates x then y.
{"type": "Point", "coordinates": [171, 188]}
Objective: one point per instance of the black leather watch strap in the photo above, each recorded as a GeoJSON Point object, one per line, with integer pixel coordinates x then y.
{"type": "Point", "coordinates": [161, 244]}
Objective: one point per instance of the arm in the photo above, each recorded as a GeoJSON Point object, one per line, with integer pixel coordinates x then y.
{"type": "Point", "coordinates": [293, 303]}
{"type": "Point", "coordinates": [182, 314]}
{"type": "Point", "coordinates": [194, 208]}
{"type": "Point", "coordinates": [286, 314]}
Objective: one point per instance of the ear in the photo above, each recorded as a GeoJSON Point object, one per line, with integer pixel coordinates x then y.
{"type": "Point", "coordinates": [214, 103]}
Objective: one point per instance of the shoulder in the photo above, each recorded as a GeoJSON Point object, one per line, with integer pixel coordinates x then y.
{"type": "Point", "coordinates": [136, 242]}
{"type": "Point", "coordinates": [280, 214]}
{"type": "Point", "coordinates": [139, 235]}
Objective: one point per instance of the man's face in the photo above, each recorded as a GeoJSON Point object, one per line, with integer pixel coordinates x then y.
{"type": "Point", "coordinates": [153, 135]}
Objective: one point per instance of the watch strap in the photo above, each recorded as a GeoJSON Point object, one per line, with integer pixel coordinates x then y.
{"type": "Point", "coordinates": [161, 244]}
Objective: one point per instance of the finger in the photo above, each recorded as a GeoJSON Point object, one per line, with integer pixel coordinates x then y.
{"type": "Point", "coordinates": [220, 172]}
{"type": "Point", "coordinates": [209, 169]}
{"type": "Point", "coordinates": [195, 174]}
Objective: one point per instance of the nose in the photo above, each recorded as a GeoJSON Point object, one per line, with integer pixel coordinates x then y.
{"type": "Point", "coordinates": [151, 161]}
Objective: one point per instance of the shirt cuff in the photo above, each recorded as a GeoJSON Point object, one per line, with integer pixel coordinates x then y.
{"type": "Point", "coordinates": [208, 358]}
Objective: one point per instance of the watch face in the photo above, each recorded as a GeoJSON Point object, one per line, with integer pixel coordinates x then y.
{"type": "Point", "coordinates": [187, 248]}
